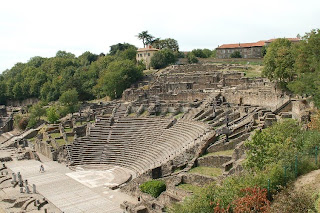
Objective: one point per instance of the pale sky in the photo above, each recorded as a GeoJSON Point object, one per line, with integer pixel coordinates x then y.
{"type": "Point", "coordinates": [42, 27]}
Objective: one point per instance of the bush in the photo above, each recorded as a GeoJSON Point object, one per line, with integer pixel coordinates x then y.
{"type": "Point", "coordinates": [20, 121]}
{"type": "Point", "coordinates": [192, 58]}
{"type": "Point", "coordinates": [236, 54]}
{"type": "Point", "coordinates": [163, 58]}
{"type": "Point", "coordinates": [32, 122]}
{"type": "Point", "coordinates": [253, 200]}
{"type": "Point", "coordinates": [203, 53]}
{"type": "Point", "coordinates": [23, 123]}
{"type": "Point", "coordinates": [69, 99]}
{"type": "Point", "coordinates": [52, 114]}
{"type": "Point", "coordinates": [153, 187]}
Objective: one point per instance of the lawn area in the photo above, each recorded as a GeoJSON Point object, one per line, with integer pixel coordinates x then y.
{"type": "Point", "coordinates": [70, 138]}
{"type": "Point", "coordinates": [60, 142]}
{"type": "Point", "coordinates": [214, 172]}
{"type": "Point", "coordinates": [224, 153]}
{"type": "Point", "coordinates": [190, 188]}
{"type": "Point", "coordinates": [132, 115]}
{"type": "Point", "coordinates": [144, 114]}
{"type": "Point", "coordinates": [32, 140]}
{"type": "Point", "coordinates": [178, 115]}
{"type": "Point", "coordinates": [78, 123]}
{"type": "Point", "coordinates": [67, 130]}
{"type": "Point", "coordinates": [169, 114]}
{"type": "Point", "coordinates": [55, 135]}
{"type": "Point", "coordinates": [253, 73]}
{"type": "Point", "coordinates": [149, 72]}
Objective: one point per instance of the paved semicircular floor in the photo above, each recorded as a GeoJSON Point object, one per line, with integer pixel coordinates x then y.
{"type": "Point", "coordinates": [100, 175]}
{"type": "Point", "coordinates": [74, 191]}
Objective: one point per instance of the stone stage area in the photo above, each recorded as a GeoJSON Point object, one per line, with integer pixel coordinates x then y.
{"type": "Point", "coordinates": [82, 190]}
{"type": "Point", "coordinates": [100, 175]}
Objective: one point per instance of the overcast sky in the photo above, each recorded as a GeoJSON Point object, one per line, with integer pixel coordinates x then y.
{"type": "Point", "coordinates": [42, 27]}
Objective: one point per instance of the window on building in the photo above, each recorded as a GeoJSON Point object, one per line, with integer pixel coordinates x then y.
{"type": "Point", "coordinates": [148, 54]}
{"type": "Point", "coordinates": [141, 55]}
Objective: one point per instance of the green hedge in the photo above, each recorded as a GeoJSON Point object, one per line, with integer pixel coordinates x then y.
{"type": "Point", "coordinates": [153, 187]}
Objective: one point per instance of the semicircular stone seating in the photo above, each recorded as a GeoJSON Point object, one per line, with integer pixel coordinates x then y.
{"type": "Point", "coordinates": [138, 144]}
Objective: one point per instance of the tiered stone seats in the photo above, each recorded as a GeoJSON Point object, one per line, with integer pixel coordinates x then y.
{"type": "Point", "coordinates": [138, 144]}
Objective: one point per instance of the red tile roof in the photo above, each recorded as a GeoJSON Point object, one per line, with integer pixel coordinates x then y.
{"type": "Point", "coordinates": [242, 45]}
{"type": "Point", "coordinates": [290, 39]}
{"type": "Point", "coordinates": [256, 44]}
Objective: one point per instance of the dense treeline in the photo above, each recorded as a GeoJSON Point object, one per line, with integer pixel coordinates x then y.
{"type": "Point", "coordinates": [296, 66]}
{"type": "Point", "coordinates": [91, 75]}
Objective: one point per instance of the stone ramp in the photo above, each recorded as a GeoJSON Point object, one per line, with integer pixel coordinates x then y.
{"type": "Point", "coordinates": [64, 192]}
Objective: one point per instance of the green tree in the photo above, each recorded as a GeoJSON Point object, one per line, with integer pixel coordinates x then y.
{"type": "Point", "coordinates": [279, 62]}
{"type": "Point", "coordinates": [163, 58]}
{"type": "Point", "coordinates": [307, 66]}
{"type": "Point", "coordinates": [64, 54]}
{"type": "Point", "coordinates": [198, 53]}
{"type": "Point", "coordinates": [52, 114]}
{"type": "Point", "coordinates": [37, 111]}
{"type": "Point", "coordinates": [168, 43]}
{"type": "Point", "coordinates": [87, 58]}
{"type": "Point", "coordinates": [280, 142]}
{"type": "Point", "coordinates": [120, 47]}
{"type": "Point", "coordinates": [70, 99]}
{"type": "Point", "coordinates": [2, 92]}
{"type": "Point", "coordinates": [235, 54]}
{"type": "Point", "coordinates": [145, 37]}
{"type": "Point", "coordinates": [117, 77]}
{"type": "Point", "coordinates": [192, 58]}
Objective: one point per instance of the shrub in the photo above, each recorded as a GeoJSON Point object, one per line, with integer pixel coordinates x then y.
{"type": "Point", "coordinates": [203, 53]}
{"type": "Point", "coordinates": [192, 58]}
{"type": "Point", "coordinates": [52, 114]}
{"type": "Point", "coordinates": [23, 123]}
{"type": "Point", "coordinates": [254, 199]}
{"type": "Point", "coordinates": [32, 122]}
{"type": "Point", "coordinates": [199, 53]}
{"type": "Point", "coordinates": [236, 54]}
{"type": "Point", "coordinates": [153, 187]}
{"type": "Point", "coordinates": [163, 58]}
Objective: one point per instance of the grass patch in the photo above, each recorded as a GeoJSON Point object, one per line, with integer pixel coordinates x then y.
{"type": "Point", "coordinates": [253, 73]}
{"type": "Point", "coordinates": [213, 172]}
{"type": "Point", "coordinates": [144, 114]}
{"type": "Point", "coordinates": [132, 115]}
{"type": "Point", "coordinates": [224, 153]}
{"type": "Point", "coordinates": [60, 142]}
{"type": "Point", "coordinates": [190, 188]}
{"type": "Point", "coordinates": [67, 130]}
{"type": "Point", "coordinates": [149, 72]}
{"type": "Point", "coordinates": [178, 115]}
{"type": "Point", "coordinates": [169, 114]}
{"type": "Point", "coordinates": [32, 140]}
{"type": "Point", "coordinates": [78, 123]}
{"type": "Point", "coordinates": [55, 135]}
{"type": "Point", "coordinates": [70, 138]}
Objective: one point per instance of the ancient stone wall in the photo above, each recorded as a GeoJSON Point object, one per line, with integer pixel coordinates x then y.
{"type": "Point", "coordinates": [26, 102]}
